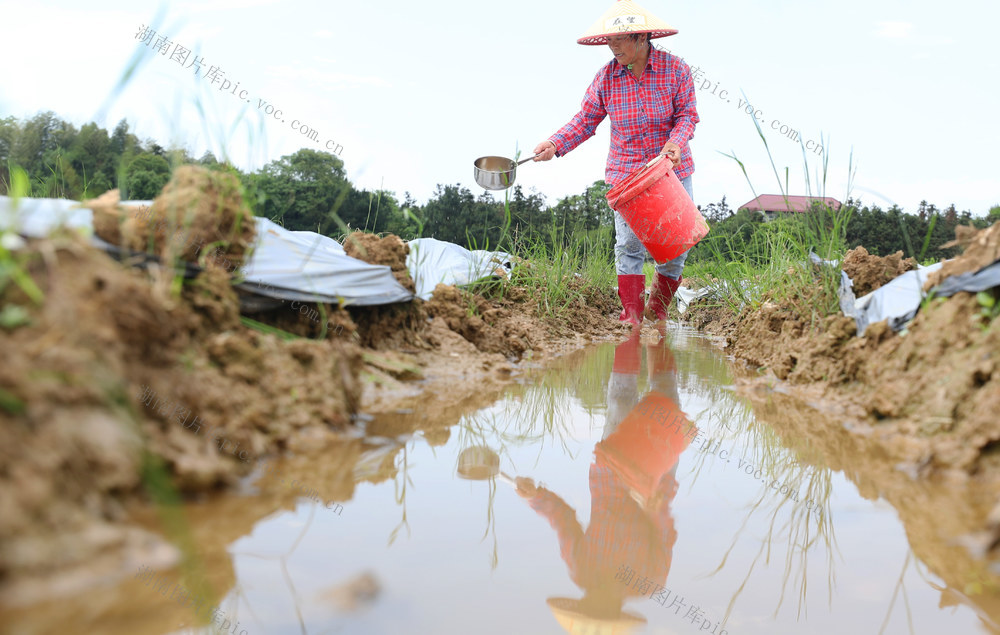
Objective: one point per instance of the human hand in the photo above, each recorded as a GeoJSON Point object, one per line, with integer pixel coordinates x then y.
{"type": "Point", "coordinates": [525, 487]}
{"type": "Point", "coordinates": [545, 151]}
{"type": "Point", "coordinates": [673, 152]}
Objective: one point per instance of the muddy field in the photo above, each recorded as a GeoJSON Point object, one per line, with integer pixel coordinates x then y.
{"type": "Point", "coordinates": [134, 386]}
{"type": "Point", "coordinates": [126, 379]}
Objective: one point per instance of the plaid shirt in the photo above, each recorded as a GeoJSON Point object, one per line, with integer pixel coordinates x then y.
{"type": "Point", "coordinates": [645, 114]}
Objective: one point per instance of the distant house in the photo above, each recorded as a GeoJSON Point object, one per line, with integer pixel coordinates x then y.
{"type": "Point", "coordinates": [770, 205]}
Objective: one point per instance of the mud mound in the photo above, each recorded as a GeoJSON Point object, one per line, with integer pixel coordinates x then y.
{"type": "Point", "coordinates": [198, 209]}
{"type": "Point", "coordinates": [391, 326]}
{"type": "Point", "coordinates": [490, 328]}
{"type": "Point", "coordinates": [982, 249]}
{"type": "Point", "coordinates": [113, 367]}
{"type": "Point", "coordinates": [940, 383]}
{"type": "Point", "coordinates": [930, 395]}
{"type": "Point", "coordinates": [307, 319]}
{"type": "Point", "coordinates": [390, 251]}
{"type": "Point", "coordinates": [869, 272]}
{"type": "Point", "coordinates": [716, 319]}
{"type": "Point", "coordinates": [603, 301]}
{"type": "Point", "coordinates": [776, 337]}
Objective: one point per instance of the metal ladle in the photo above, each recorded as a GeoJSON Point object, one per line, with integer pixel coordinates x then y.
{"type": "Point", "coordinates": [497, 173]}
{"type": "Point", "coordinates": [479, 463]}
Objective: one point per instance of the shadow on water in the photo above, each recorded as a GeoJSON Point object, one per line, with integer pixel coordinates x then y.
{"type": "Point", "coordinates": [708, 511]}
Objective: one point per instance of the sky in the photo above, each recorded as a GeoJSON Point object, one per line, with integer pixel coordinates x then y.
{"type": "Point", "coordinates": [903, 95]}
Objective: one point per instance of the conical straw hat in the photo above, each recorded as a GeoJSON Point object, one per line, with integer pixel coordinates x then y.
{"type": "Point", "coordinates": [577, 621]}
{"type": "Point", "coordinates": [625, 16]}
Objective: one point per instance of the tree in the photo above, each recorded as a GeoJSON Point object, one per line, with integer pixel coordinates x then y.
{"type": "Point", "coordinates": [305, 190]}
{"type": "Point", "coordinates": [145, 176]}
{"type": "Point", "coordinates": [994, 214]}
{"type": "Point", "coordinates": [717, 212]}
{"type": "Point", "coordinates": [455, 215]}
{"type": "Point", "coordinates": [34, 140]}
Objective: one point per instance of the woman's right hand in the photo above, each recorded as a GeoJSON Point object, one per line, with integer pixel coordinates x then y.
{"type": "Point", "coordinates": [545, 150]}
{"type": "Point", "coordinates": [526, 487]}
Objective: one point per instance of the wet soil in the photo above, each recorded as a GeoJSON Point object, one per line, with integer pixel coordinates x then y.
{"type": "Point", "coordinates": [116, 371]}
{"type": "Point", "coordinates": [869, 272]}
{"type": "Point", "coordinates": [389, 250]}
{"type": "Point", "coordinates": [980, 249]}
{"type": "Point", "coordinates": [927, 396]}
{"type": "Point", "coordinates": [126, 383]}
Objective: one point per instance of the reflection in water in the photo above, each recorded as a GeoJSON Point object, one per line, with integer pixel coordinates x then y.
{"type": "Point", "coordinates": [751, 441]}
{"type": "Point", "coordinates": [632, 484]}
{"type": "Point", "coordinates": [606, 428]}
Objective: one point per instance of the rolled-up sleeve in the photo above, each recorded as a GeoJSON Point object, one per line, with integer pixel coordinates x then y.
{"type": "Point", "coordinates": [685, 110]}
{"type": "Point", "coordinates": [583, 125]}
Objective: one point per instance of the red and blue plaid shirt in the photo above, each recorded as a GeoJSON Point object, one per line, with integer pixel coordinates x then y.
{"type": "Point", "coordinates": [645, 114]}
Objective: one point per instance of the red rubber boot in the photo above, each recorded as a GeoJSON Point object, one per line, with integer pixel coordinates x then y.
{"type": "Point", "coordinates": [631, 289]}
{"type": "Point", "coordinates": [663, 292]}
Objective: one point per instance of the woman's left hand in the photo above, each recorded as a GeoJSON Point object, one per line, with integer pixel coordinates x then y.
{"type": "Point", "coordinates": [673, 152]}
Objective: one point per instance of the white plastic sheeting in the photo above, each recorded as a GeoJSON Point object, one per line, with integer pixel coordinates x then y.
{"type": "Point", "coordinates": [310, 267]}
{"type": "Point", "coordinates": [284, 264]}
{"type": "Point", "coordinates": [686, 296]}
{"type": "Point", "coordinates": [36, 217]}
{"type": "Point", "coordinates": [897, 301]}
{"type": "Point", "coordinates": [432, 261]}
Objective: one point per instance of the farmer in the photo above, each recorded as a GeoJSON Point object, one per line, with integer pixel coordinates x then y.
{"type": "Point", "coordinates": [631, 534]}
{"type": "Point", "coordinates": [649, 96]}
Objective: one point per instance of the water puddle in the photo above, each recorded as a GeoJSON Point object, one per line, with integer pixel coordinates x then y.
{"type": "Point", "coordinates": [627, 489]}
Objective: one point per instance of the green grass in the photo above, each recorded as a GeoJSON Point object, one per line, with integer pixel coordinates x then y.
{"type": "Point", "coordinates": [559, 276]}
{"type": "Point", "coordinates": [771, 261]}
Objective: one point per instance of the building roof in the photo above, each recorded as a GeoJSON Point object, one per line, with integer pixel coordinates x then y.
{"type": "Point", "coordinates": [779, 203]}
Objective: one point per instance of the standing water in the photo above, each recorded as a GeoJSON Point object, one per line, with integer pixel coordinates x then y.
{"type": "Point", "coordinates": [626, 489]}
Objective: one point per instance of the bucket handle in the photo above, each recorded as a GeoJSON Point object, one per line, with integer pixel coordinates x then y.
{"type": "Point", "coordinates": [654, 160]}
{"type": "Point", "coordinates": [648, 165]}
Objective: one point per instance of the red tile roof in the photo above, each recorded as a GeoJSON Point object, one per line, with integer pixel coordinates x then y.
{"type": "Point", "coordinates": [779, 203]}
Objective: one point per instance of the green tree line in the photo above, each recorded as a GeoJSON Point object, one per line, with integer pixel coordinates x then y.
{"type": "Point", "coordinates": [880, 231]}
{"type": "Point", "coordinates": [309, 190]}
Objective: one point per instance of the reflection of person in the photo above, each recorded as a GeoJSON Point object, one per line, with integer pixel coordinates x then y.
{"type": "Point", "coordinates": [649, 96]}
{"type": "Point", "coordinates": [632, 483]}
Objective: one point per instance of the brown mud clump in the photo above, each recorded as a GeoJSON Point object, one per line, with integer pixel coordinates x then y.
{"type": "Point", "coordinates": [982, 249]}
{"type": "Point", "coordinates": [390, 251]}
{"type": "Point", "coordinates": [197, 209]}
{"type": "Point", "coordinates": [489, 327]}
{"type": "Point", "coordinates": [869, 272]}
{"type": "Point", "coordinates": [115, 373]}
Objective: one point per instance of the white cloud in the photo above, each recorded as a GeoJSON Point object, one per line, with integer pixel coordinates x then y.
{"type": "Point", "coordinates": [894, 30]}
{"type": "Point", "coordinates": [324, 33]}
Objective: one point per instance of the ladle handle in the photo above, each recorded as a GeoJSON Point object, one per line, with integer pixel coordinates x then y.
{"type": "Point", "coordinates": [526, 160]}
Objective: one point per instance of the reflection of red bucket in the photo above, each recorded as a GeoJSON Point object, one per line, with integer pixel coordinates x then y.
{"type": "Point", "coordinates": [647, 443]}
{"type": "Point", "coordinates": [658, 209]}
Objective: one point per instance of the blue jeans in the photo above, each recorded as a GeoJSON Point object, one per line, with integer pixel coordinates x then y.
{"type": "Point", "coordinates": [629, 252]}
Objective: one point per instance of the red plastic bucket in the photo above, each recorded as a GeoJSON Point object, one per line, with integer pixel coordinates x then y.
{"type": "Point", "coordinates": [658, 209]}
